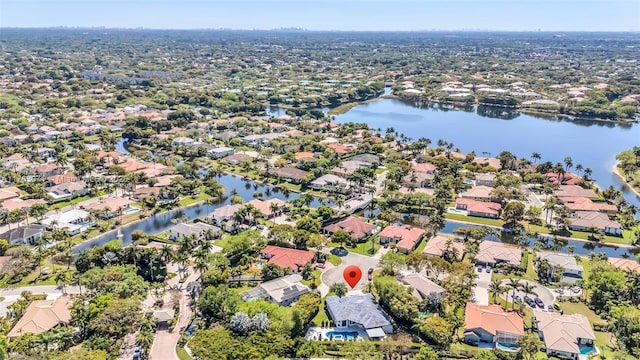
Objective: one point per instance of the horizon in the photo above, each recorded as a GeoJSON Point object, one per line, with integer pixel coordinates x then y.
{"type": "Point", "coordinates": [328, 15]}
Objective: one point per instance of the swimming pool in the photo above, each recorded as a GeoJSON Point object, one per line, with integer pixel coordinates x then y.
{"type": "Point", "coordinates": [507, 347]}
{"type": "Point", "coordinates": [342, 335]}
{"type": "Point", "coordinates": [131, 211]}
{"type": "Point", "coordinates": [453, 210]}
{"type": "Point", "coordinates": [586, 350]}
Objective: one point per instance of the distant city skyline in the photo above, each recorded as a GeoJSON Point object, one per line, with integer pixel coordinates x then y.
{"type": "Point", "coordinates": [348, 15]}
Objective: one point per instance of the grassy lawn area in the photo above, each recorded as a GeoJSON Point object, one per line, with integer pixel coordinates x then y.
{"type": "Point", "coordinates": [333, 259]}
{"type": "Point", "coordinates": [192, 200]}
{"type": "Point", "coordinates": [182, 354]}
{"type": "Point", "coordinates": [321, 317]}
{"type": "Point", "coordinates": [224, 243]}
{"type": "Point", "coordinates": [580, 308]}
{"type": "Point", "coordinates": [530, 274]}
{"type": "Point", "coordinates": [421, 245]}
{"type": "Point", "coordinates": [475, 220]}
{"type": "Point", "coordinates": [604, 344]}
{"type": "Point", "coordinates": [314, 279]}
{"type": "Point", "coordinates": [62, 204]}
{"type": "Point", "coordinates": [362, 248]}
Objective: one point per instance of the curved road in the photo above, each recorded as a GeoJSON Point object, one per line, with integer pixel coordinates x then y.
{"type": "Point", "coordinates": [334, 275]}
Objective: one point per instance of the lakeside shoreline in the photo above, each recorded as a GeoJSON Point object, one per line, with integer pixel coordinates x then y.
{"type": "Point", "coordinates": [616, 171]}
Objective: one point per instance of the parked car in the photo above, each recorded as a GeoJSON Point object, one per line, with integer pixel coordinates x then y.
{"type": "Point", "coordinates": [517, 298]}
{"type": "Point", "coordinates": [529, 301]}
{"type": "Point", "coordinates": [539, 302]}
{"type": "Point", "coordinates": [370, 274]}
{"type": "Point", "coordinates": [137, 353]}
{"type": "Point", "coordinates": [576, 289]}
{"type": "Point", "coordinates": [550, 308]}
{"type": "Point", "coordinates": [480, 268]}
{"type": "Point", "coordinates": [488, 270]}
{"type": "Point", "coordinates": [560, 291]}
{"type": "Point", "coordinates": [320, 265]}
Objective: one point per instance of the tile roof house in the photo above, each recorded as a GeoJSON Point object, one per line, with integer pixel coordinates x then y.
{"type": "Point", "coordinates": [567, 178]}
{"type": "Point", "coordinates": [491, 252]}
{"type": "Point", "coordinates": [404, 236]}
{"type": "Point", "coordinates": [289, 174]}
{"type": "Point", "coordinates": [421, 285]}
{"type": "Point", "coordinates": [488, 161]}
{"type": "Point", "coordinates": [287, 258]}
{"type": "Point", "coordinates": [199, 229]}
{"type": "Point", "coordinates": [585, 204]}
{"type": "Point", "coordinates": [567, 191]}
{"type": "Point", "coordinates": [330, 182]}
{"type": "Point", "coordinates": [361, 311]}
{"type": "Point", "coordinates": [265, 206]}
{"type": "Point", "coordinates": [571, 273]}
{"type": "Point", "coordinates": [493, 325]}
{"type": "Point", "coordinates": [479, 208]}
{"type": "Point", "coordinates": [583, 220]}
{"type": "Point", "coordinates": [110, 206]}
{"type": "Point", "coordinates": [16, 203]}
{"type": "Point", "coordinates": [479, 193]}
{"type": "Point", "coordinates": [24, 234]}
{"type": "Point", "coordinates": [41, 316]}
{"type": "Point", "coordinates": [564, 335]}
{"type": "Point", "coordinates": [8, 193]}
{"type": "Point", "coordinates": [303, 155]}
{"type": "Point", "coordinates": [485, 179]}
{"type": "Point", "coordinates": [427, 168]}
{"type": "Point", "coordinates": [437, 245]}
{"type": "Point", "coordinates": [236, 159]}
{"type": "Point", "coordinates": [357, 227]}
{"type": "Point", "coordinates": [625, 264]}
{"type": "Point", "coordinates": [68, 189]}
{"type": "Point", "coordinates": [223, 214]}
{"type": "Point", "coordinates": [61, 179]}
{"type": "Point", "coordinates": [282, 291]}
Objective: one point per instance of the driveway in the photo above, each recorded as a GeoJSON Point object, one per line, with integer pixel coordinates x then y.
{"type": "Point", "coordinates": [481, 290]}
{"type": "Point", "coordinates": [540, 291]}
{"type": "Point", "coordinates": [332, 276]}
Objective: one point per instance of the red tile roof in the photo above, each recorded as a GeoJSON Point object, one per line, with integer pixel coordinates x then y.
{"type": "Point", "coordinates": [287, 258]}
{"type": "Point", "coordinates": [492, 319]}
{"type": "Point", "coordinates": [407, 236]}
{"type": "Point", "coordinates": [479, 206]}
{"type": "Point", "coordinates": [356, 227]}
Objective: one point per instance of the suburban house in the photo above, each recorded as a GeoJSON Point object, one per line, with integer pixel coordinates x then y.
{"type": "Point", "coordinates": [236, 159]}
{"type": "Point", "coordinates": [566, 336]}
{"type": "Point", "coordinates": [360, 311]}
{"type": "Point", "coordinates": [625, 264]}
{"type": "Point", "coordinates": [24, 234]}
{"type": "Point", "coordinates": [282, 291]}
{"type": "Point", "coordinates": [348, 167]}
{"type": "Point", "coordinates": [110, 207]}
{"type": "Point", "coordinates": [60, 179]}
{"type": "Point", "coordinates": [41, 316]}
{"type": "Point", "coordinates": [8, 193]}
{"type": "Point", "coordinates": [270, 208]}
{"type": "Point", "coordinates": [16, 203]}
{"type": "Point", "coordinates": [289, 174]}
{"type": "Point", "coordinates": [479, 193]}
{"type": "Point", "coordinates": [357, 227]}
{"type": "Point", "coordinates": [571, 272]}
{"type": "Point", "coordinates": [437, 245]}
{"type": "Point", "coordinates": [45, 153]}
{"type": "Point", "coordinates": [585, 220]}
{"type": "Point", "coordinates": [183, 141]}
{"type": "Point", "coordinates": [567, 178]}
{"type": "Point", "coordinates": [479, 208]}
{"type": "Point", "coordinates": [492, 325]}
{"type": "Point", "coordinates": [287, 258]}
{"type": "Point", "coordinates": [422, 287]}
{"type": "Point", "coordinates": [68, 190]}
{"type": "Point", "coordinates": [486, 179]}
{"type": "Point", "coordinates": [419, 179]}
{"type": "Point", "coordinates": [258, 139]}
{"type": "Point", "coordinates": [405, 237]}
{"type": "Point", "coordinates": [424, 168]}
{"type": "Point", "coordinates": [492, 253]}
{"type": "Point", "coordinates": [199, 230]}
{"type": "Point", "coordinates": [47, 170]}
{"type": "Point", "coordinates": [330, 182]}
{"type": "Point", "coordinates": [74, 220]}
{"type": "Point", "coordinates": [220, 152]}
{"type": "Point", "coordinates": [586, 204]}
{"type": "Point", "coordinates": [488, 161]}
{"type": "Point", "coordinates": [574, 191]}
{"type": "Point", "coordinates": [223, 214]}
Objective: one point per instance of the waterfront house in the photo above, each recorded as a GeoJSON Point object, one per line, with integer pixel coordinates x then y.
{"type": "Point", "coordinates": [438, 245]}
{"type": "Point", "coordinates": [359, 310]}
{"type": "Point", "coordinates": [492, 325]}
{"type": "Point", "coordinates": [281, 291]}
{"type": "Point", "coordinates": [331, 183]}
{"type": "Point", "coordinates": [625, 264]}
{"type": "Point", "coordinates": [220, 152]}
{"type": "Point", "coordinates": [288, 174]}
{"type": "Point", "coordinates": [585, 204]}
{"type": "Point", "coordinates": [223, 214]}
{"type": "Point", "coordinates": [571, 271]}
{"type": "Point", "coordinates": [28, 234]}
{"type": "Point", "coordinates": [405, 237]}
{"type": "Point", "coordinates": [270, 208]}
{"type": "Point", "coordinates": [199, 230]}
{"type": "Point", "coordinates": [479, 208]}
{"type": "Point", "coordinates": [493, 253]}
{"type": "Point", "coordinates": [357, 227]}
{"type": "Point", "coordinates": [575, 191]}
{"type": "Point", "coordinates": [566, 336]}
{"type": "Point", "coordinates": [585, 220]}
{"type": "Point", "coordinates": [109, 207]}
{"type": "Point", "coordinates": [74, 220]}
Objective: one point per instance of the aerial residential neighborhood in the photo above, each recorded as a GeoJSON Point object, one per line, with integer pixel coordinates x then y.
{"type": "Point", "coordinates": [304, 194]}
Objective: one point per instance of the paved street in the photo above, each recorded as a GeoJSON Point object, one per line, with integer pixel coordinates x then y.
{"type": "Point", "coordinates": [334, 275]}
{"type": "Point", "coordinates": [540, 291]}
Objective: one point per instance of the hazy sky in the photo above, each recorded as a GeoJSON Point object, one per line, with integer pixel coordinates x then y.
{"type": "Point", "coordinates": [546, 15]}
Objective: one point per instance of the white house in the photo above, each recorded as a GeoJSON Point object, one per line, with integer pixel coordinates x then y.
{"type": "Point", "coordinates": [359, 310]}
{"type": "Point", "coordinates": [220, 152]}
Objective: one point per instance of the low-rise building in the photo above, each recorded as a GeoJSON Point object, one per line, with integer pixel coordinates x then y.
{"type": "Point", "coordinates": [199, 230]}
{"type": "Point", "coordinates": [405, 237]}
{"type": "Point", "coordinates": [479, 208]}
{"type": "Point", "coordinates": [331, 183]}
{"type": "Point", "coordinates": [41, 316]}
{"type": "Point", "coordinates": [282, 291]}
{"type": "Point", "coordinates": [625, 264]}
{"type": "Point", "coordinates": [357, 227]}
{"type": "Point", "coordinates": [421, 286]}
{"type": "Point", "coordinates": [493, 253]}
{"type": "Point", "coordinates": [567, 336]}
{"type": "Point", "coordinates": [109, 207]}
{"type": "Point", "coordinates": [361, 311]}
{"type": "Point", "coordinates": [585, 220]}
{"type": "Point", "coordinates": [220, 152]}
{"type": "Point", "coordinates": [293, 259]}
{"type": "Point", "coordinates": [438, 245]}
{"type": "Point", "coordinates": [75, 221]}
{"type": "Point", "coordinates": [479, 193]}
{"type": "Point", "coordinates": [223, 214]}
{"type": "Point", "coordinates": [571, 271]}
{"type": "Point", "coordinates": [492, 325]}
{"type": "Point", "coordinates": [68, 190]}
{"type": "Point", "coordinates": [24, 234]}
{"type": "Point", "coordinates": [486, 179]}
{"type": "Point", "coordinates": [289, 174]}
{"type": "Point", "coordinates": [270, 208]}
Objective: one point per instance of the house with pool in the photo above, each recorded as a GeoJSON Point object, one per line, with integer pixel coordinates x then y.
{"type": "Point", "coordinates": [565, 336]}
{"type": "Point", "coordinates": [359, 312]}
{"type": "Point", "coordinates": [492, 326]}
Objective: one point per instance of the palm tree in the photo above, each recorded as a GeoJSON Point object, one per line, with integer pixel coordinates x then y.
{"type": "Point", "coordinates": [528, 289]}
{"type": "Point", "coordinates": [340, 289]}
{"type": "Point", "coordinates": [61, 278]}
{"type": "Point", "coordinates": [514, 285]}
{"type": "Point", "coordinates": [536, 156]}
{"type": "Point", "coordinates": [496, 289]}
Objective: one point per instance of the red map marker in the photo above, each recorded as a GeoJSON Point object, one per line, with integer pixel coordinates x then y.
{"type": "Point", "coordinates": [352, 275]}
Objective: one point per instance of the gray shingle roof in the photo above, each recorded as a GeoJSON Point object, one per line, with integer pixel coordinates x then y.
{"type": "Point", "coordinates": [361, 309]}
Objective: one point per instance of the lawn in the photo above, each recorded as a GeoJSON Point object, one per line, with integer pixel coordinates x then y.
{"type": "Point", "coordinates": [321, 317]}
{"type": "Point", "coordinates": [475, 220]}
{"type": "Point", "coordinates": [580, 308]}
{"type": "Point", "coordinates": [421, 245]}
{"type": "Point", "coordinates": [333, 259]}
{"type": "Point", "coordinates": [224, 243]}
{"type": "Point", "coordinates": [604, 344]}
{"type": "Point", "coordinates": [363, 248]}
{"type": "Point", "coordinates": [182, 354]}
{"type": "Point", "coordinates": [188, 200]}
{"type": "Point", "coordinates": [314, 279]}
{"type": "Point", "coordinates": [530, 274]}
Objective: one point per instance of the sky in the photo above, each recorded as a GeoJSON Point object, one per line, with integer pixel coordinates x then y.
{"type": "Point", "coordinates": [350, 15]}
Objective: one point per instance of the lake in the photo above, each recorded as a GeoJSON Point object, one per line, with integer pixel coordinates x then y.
{"type": "Point", "coordinates": [162, 222]}
{"type": "Point", "coordinates": [488, 131]}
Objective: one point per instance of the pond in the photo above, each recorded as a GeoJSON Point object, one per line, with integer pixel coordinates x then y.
{"type": "Point", "coordinates": [162, 222]}
{"type": "Point", "coordinates": [488, 131]}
